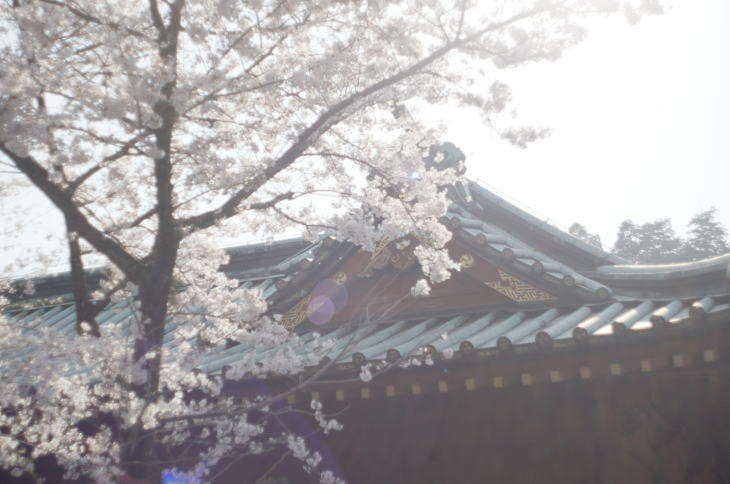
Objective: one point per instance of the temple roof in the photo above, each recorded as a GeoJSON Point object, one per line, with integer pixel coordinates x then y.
{"type": "Point", "coordinates": [529, 285]}
{"type": "Point", "coordinates": [548, 238]}
{"type": "Point", "coordinates": [527, 242]}
{"type": "Point", "coordinates": [487, 331]}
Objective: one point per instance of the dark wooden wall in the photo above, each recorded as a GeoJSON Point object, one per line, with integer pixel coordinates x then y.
{"type": "Point", "coordinates": [671, 427]}
{"type": "Point", "coordinates": [665, 427]}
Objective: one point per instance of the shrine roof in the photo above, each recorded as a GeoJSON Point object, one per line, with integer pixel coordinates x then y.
{"type": "Point", "coordinates": [657, 272]}
{"type": "Point", "coordinates": [440, 336]}
{"type": "Point", "coordinates": [529, 246]}
{"type": "Point", "coordinates": [546, 236]}
{"type": "Point", "coordinates": [593, 294]}
{"type": "Point", "coordinates": [509, 237]}
{"type": "Point", "coordinates": [505, 249]}
{"type": "Point", "coordinates": [502, 329]}
{"type": "Point", "coordinates": [491, 202]}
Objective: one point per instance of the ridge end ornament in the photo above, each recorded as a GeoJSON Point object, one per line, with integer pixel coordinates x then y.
{"type": "Point", "coordinates": [402, 259]}
{"type": "Point", "coordinates": [389, 253]}
{"type": "Point", "coordinates": [518, 290]}
{"type": "Point", "coordinates": [378, 260]}
{"type": "Point", "coordinates": [466, 261]}
{"type": "Point", "coordinates": [341, 278]}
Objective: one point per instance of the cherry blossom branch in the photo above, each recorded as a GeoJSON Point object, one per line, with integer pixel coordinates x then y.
{"type": "Point", "coordinates": [91, 18]}
{"type": "Point", "coordinates": [330, 117]}
{"type": "Point", "coordinates": [85, 312]}
{"type": "Point", "coordinates": [314, 377]}
{"type": "Point", "coordinates": [123, 151]}
{"type": "Point", "coordinates": [40, 177]}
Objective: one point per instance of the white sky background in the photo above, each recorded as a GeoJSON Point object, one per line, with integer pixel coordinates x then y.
{"type": "Point", "coordinates": [641, 130]}
{"type": "Point", "coordinates": [641, 125]}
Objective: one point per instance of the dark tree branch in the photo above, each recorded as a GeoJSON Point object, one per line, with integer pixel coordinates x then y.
{"type": "Point", "coordinates": [124, 150]}
{"type": "Point", "coordinates": [40, 177]}
{"type": "Point", "coordinates": [246, 32]}
{"type": "Point", "coordinates": [85, 312]}
{"type": "Point", "coordinates": [106, 299]}
{"type": "Point", "coordinates": [90, 18]}
{"type": "Point", "coordinates": [149, 213]}
{"type": "Point", "coordinates": [330, 117]}
{"type": "Point", "coordinates": [164, 249]}
{"type": "Point", "coordinates": [271, 203]}
{"type": "Point", "coordinates": [157, 19]}
{"type": "Point", "coordinates": [296, 221]}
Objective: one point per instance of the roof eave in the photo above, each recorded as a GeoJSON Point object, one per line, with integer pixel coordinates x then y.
{"type": "Point", "coordinates": [564, 245]}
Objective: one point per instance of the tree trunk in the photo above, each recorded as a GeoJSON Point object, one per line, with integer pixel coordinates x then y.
{"type": "Point", "coordinates": [141, 456]}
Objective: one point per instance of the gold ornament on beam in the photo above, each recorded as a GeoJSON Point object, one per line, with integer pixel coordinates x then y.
{"type": "Point", "coordinates": [296, 314]}
{"type": "Point", "coordinates": [378, 260]}
{"type": "Point", "coordinates": [466, 261]}
{"type": "Point", "coordinates": [340, 278]}
{"type": "Point", "coordinates": [518, 290]}
{"type": "Point", "coordinates": [385, 254]}
{"type": "Point", "coordinates": [402, 260]}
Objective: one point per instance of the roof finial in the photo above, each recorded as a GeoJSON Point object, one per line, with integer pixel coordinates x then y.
{"type": "Point", "coordinates": [446, 155]}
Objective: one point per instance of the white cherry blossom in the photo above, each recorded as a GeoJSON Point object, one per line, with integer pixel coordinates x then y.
{"type": "Point", "coordinates": [159, 128]}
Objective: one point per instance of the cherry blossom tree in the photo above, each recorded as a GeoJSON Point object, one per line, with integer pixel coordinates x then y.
{"type": "Point", "coordinates": [158, 127]}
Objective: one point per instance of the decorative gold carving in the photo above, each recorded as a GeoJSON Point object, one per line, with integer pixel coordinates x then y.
{"type": "Point", "coordinates": [306, 306]}
{"type": "Point", "coordinates": [299, 313]}
{"type": "Point", "coordinates": [402, 260]}
{"type": "Point", "coordinates": [378, 260]}
{"type": "Point", "coordinates": [466, 261]}
{"type": "Point", "coordinates": [296, 314]}
{"type": "Point", "coordinates": [518, 290]}
{"type": "Point", "coordinates": [384, 254]}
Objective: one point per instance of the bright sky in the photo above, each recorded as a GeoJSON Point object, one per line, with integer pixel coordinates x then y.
{"type": "Point", "coordinates": [640, 118]}
{"type": "Point", "coordinates": [641, 125]}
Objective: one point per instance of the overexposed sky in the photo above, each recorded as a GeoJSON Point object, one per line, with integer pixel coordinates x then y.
{"type": "Point", "coordinates": [641, 125]}
{"type": "Point", "coordinates": [641, 130]}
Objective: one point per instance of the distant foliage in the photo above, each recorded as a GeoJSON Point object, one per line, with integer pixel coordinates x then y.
{"type": "Point", "coordinates": [706, 237]}
{"type": "Point", "coordinates": [579, 231]}
{"type": "Point", "coordinates": [650, 243]}
{"type": "Point", "coordinates": [657, 243]}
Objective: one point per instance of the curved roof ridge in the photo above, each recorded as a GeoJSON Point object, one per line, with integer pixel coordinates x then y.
{"type": "Point", "coordinates": [502, 241]}
{"type": "Point", "coordinates": [667, 271]}
{"type": "Point", "coordinates": [544, 225]}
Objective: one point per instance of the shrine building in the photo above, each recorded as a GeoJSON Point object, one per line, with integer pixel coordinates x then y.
{"type": "Point", "coordinates": [543, 360]}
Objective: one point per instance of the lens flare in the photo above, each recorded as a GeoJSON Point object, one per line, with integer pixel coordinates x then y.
{"type": "Point", "coordinates": [173, 477]}
{"type": "Point", "coordinates": [328, 298]}
{"type": "Point", "coordinates": [320, 310]}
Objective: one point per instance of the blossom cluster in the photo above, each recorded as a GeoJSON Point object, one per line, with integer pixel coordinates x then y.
{"type": "Point", "coordinates": [159, 129]}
